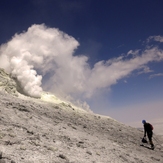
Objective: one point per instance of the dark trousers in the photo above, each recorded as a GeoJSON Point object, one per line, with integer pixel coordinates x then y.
{"type": "Point", "coordinates": [150, 134]}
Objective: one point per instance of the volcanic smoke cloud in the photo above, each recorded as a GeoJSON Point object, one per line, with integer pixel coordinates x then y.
{"type": "Point", "coordinates": [47, 53]}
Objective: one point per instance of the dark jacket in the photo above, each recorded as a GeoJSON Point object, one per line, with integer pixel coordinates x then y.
{"type": "Point", "coordinates": [147, 129]}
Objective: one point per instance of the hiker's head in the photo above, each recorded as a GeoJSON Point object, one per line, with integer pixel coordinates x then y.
{"type": "Point", "coordinates": [143, 121]}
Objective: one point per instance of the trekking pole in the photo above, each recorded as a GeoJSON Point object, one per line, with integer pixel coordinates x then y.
{"type": "Point", "coordinates": [159, 143]}
{"type": "Point", "coordinates": [156, 140]}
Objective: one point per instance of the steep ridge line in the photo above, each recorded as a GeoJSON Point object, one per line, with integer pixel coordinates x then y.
{"type": "Point", "coordinates": [35, 131]}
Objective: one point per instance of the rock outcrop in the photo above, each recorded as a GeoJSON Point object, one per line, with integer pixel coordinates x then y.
{"type": "Point", "coordinates": [7, 84]}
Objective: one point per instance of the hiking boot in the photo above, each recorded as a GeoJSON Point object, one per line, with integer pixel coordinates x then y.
{"type": "Point", "coordinates": [152, 147]}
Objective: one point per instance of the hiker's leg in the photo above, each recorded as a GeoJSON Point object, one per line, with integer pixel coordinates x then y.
{"type": "Point", "coordinates": [152, 145]}
{"type": "Point", "coordinates": [150, 139]}
{"type": "Point", "coordinates": [151, 142]}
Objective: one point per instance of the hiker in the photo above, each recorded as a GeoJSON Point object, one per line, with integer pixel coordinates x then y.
{"type": "Point", "coordinates": [148, 130]}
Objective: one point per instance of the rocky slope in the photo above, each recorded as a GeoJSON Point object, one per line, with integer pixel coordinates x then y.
{"type": "Point", "coordinates": [7, 84]}
{"type": "Point", "coordinates": [35, 131]}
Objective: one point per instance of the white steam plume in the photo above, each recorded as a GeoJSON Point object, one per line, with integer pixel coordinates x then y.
{"type": "Point", "coordinates": [38, 49]}
{"type": "Point", "coordinates": [49, 52]}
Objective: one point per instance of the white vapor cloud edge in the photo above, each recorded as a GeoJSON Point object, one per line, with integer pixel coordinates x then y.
{"type": "Point", "coordinates": [155, 75]}
{"type": "Point", "coordinates": [155, 38]}
{"type": "Point", "coordinates": [47, 53]}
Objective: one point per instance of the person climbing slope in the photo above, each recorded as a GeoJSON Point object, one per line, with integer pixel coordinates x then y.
{"type": "Point", "coordinates": [148, 130]}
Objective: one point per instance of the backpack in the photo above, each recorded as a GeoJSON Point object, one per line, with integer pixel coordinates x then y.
{"type": "Point", "coordinates": [151, 126]}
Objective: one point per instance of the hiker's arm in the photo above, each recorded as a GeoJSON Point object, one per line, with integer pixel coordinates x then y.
{"type": "Point", "coordinates": [145, 132]}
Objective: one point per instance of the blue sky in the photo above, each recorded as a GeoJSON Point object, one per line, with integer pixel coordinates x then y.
{"type": "Point", "coordinates": [100, 31]}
